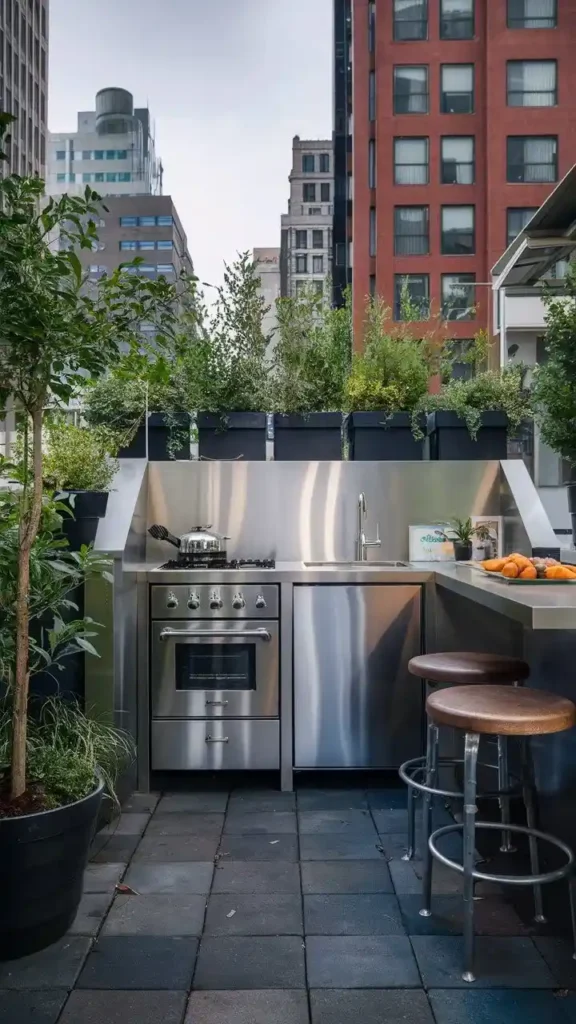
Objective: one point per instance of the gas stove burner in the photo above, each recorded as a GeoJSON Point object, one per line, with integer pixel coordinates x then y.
{"type": "Point", "coordinates": [199, 562]}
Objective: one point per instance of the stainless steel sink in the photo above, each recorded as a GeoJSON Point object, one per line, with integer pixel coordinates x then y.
{"type": "Point", "coordinates": [356, 565]}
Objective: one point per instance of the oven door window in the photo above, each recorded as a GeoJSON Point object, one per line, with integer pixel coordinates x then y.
{"type": "Point", "coordinates": [215, 666]}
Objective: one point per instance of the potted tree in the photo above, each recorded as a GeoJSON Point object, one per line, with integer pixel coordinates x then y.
{"type": "Point", "coordinates": [387, 380]}
{"type": "Point", "coordinates": [311, 363]}
{"type": "Point", "coordinates": [461, 532]}
{"type": "Point", "coordinates": [52, 335]}
{"type": "Point", "coordinates": [554, 382]}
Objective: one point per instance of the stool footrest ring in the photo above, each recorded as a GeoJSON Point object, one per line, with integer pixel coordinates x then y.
{"type": "Point", "coordinates": [547, 876]}
{"type": "Point", "coordinates": [418, 765]}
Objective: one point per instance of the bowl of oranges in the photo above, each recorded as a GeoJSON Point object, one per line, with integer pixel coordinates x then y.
{"type": "Point", "coordinates": [518, 568]}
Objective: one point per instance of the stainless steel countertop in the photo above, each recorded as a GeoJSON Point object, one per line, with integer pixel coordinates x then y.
{"type": "Point", "coordinates": [537, 607]}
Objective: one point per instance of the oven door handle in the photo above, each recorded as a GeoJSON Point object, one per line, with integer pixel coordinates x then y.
{"type": "Point", "coordinates": [256, 634]}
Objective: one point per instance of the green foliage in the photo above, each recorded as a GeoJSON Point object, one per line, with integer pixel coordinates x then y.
{"type": "Point", "coordinates": [392, 372]}
{"type": "Point", "coordinates": [554, 381]}
{"type": "Point", "coordinates": [78, 458]}
{"type": "Point", "coordinates": [312, 354]}
{"type": "Point", "coordinates": [502, 391]}
{"type": "Point", "coordinates": [463, 531]}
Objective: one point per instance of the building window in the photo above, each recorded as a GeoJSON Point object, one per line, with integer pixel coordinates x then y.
{"type": "Point", "coordinates": [411, 296]}
{"type": "Point", "coordinates": [314, 211]}
{"type": "Point", "coordinates": [372, 26]}
{"type": "Point", "coordinates": [96, 268]}
{"type": "Point", "coordinates": [86, 154]}
{"type": "Point", "coordinates": [301, 287]}
{"type": "Point", "coordinates": [110, 154]}
{"type": "Point", "coordinates": [371, 164]}
{"type": "Point", "coordinates": [458, 296]}
{"type": "Point", "coordinates": [147, 222]}
{"type": "Point", "coordinates": [458, 230]}
{"type": "Point", "coordinates": [301, 264]}
{"type": "Point", "coordinates": [372, 286]}
{"type": "Point", "coordinates": [60, 177]}
{"type": "Point", "coordinates": [462, 368]}
{"type": "Point", "coordinates": [532, 158]}
{"type": "Point", "coordinates": [128, 222]}
{"type": "Point", "coordinates": [411, 235]}
{"type": "Point", "coordinates": [410, 19]}
{"type": "Point", "coordinates": [147, 244]}
{"type": "Point", "coordinates": [308, 163]}
{"type": "Point", "coordinates": [532, 13]}
{"type": "Point", "coordinates": [128, 246]}
{"type": "Point", "coordinates": [98, 154]}
{"type": "Point", "coordinates": [165, 268]}
{"type": "Point", "coordinates": [516, 220]}
{"type": "Point", "coordinates": [457, 89]}
{"type": "Point", "coordinates": [168, 244]}
{"type": "Point", "coordinates": [456, 19]}
{"type": "Point", "coordinates": [318, 287]}
{"type": "Point", "coordinates": [164, 221]}
{"type": "Point", "coordinates": [111, 176]}
{"type": "Point", "coordinates": [325, 192]}
{"type": "Point", "coordinates": [317, 239]}
{"type": "Point", "coordinates": [458, 160]}
{"type": "Point", "coordinates": [324, 163]}
{"type": "Point", "coordinates": [372, 241]}
{"type": "Point", "coordinates": [532, 83]}
{"type": "Point", "coordinates": [410, 161]}
{"type": "Point", "coordinates": [411, 89]}
{"type": "Point", "coordinates": [122, 154]}
{"type": "Point", "coordinates": [301, 239]}
{"type": "Point", "coordinates": [86, 178]}
{"type": "Point", "coordinates": [99, 176]}
{"type": "Point", "coordinates": [372, 96]}
{"type": "Point", "coordinates": [317, 264]}
{"type": "Point", "coordinates": [60, 154]}
{"type": "Point", "coordinates": [309, 192]}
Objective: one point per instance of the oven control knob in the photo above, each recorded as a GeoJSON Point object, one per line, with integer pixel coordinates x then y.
{"type": "Point", "coordinates": [171, 600]}
{"type": "Point", "coordinates": [193, 602]}
{"type": "Point", "coordinates": [260, 602]}
{"type": "Point", "coordinates": [216, 601]}
{"type": "Point", "coordinates": [238, 601]}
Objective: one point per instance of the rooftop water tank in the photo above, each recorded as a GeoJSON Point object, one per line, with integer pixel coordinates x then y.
{"type": "Point", "coordinates": [114, 111]}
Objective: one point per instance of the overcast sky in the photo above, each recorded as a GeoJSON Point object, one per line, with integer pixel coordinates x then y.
{"type": "Point", "coordinates": [228, 84]}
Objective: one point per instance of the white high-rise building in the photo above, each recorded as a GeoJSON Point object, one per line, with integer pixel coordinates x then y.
{"type": "Point", "coordinates": [267, 264]}
{"type": "Point", "coordinates": [306, 249]}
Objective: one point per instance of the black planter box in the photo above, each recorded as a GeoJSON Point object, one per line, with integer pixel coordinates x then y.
{"type": "Point", "coordinates": [234, 435]}
{"type": "Point", "coordinates": [315, 437]}
{"type": "Point", "coordinates": [87, 508]}
{"type": "Point", "coordinates": [379, 437]}
{"type": "Point", "coordinates": [449, 437]}
{"type": "Point", "coordinates": [160, 430]}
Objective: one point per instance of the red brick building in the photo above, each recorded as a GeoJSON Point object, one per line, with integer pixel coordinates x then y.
{"type": "Point", "coordinates": [463, 118]}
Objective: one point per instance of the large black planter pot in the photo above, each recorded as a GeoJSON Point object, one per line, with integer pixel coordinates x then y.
{"type": "Point", "coordinates": [42, 862]}
{"type": "Point", "coordinates": [161, 430]}
{"type": "Point", "coordinates": [377, 436]}
{"type": "Point", "coordinates": [233, 435]}
{"type": "Point", "coordinates": [315, 437]}
{"type": "Point", "coordinates": [449, 437]}
{"type": "Point", "coordinates": [87, 508]}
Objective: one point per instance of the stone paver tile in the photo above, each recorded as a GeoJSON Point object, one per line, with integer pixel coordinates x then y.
{"type": "Point", "coordinates": [477, 1006]}
{"type": "Point", "coordinates": [366, 914]}
{"type": "Point", "coordinates": [85, 1007]}
{"type": "Point", "coordinates": [340, 847]}
{"type": "Point", "coordinates": [248, 1007]}
{"type": "Point", "coordinates": [387, 799]}
{"type": "Point", "coordinates": [140, 962]}
{"type": "Point", "coordinates": [183, 823]}
{"type": "Point", "coordinates": [391, 820]}
{"type": "Point", "coordinates": [262, 877]}
{"type": "Point", "coordinates": [393, 1006]}
{"type": "Point", "coordinates": [114, 849]}
{"type": "Point", "coordinates": [193, 877]}
{"type": "Point", "coordinates": [558, 954]}
{"type": "Point", "coordinates": [499, 962]}
{"type": "Point", "coordinates": [331, 799]}
{"type": "Point", "coordinates": [349, 822]}
{"type": "Point", "coordinates": [141, 803]}
{"type": "Point", "coordinates": [262, 800]}
{"type": "Point", "coordinates": [350, 876]}
{"type": "Point", "coordinates": [250, 963]}
{"type": "Point", "coordinates": [177, 914]}
{"type": "Point", "coordinates": [127, 825]}
{"type": "Point", "coordinates": [491, 916]}
{"type": "Point", "coordinates": [167, 849]}
{"type": "Point", "coordinates": [246, 823]}
{"type": "Point", "coordinates": [91, 913]}
{"type": "Point", "coordinates": [31, 1007]}
{"type": "Point", "coordinates": [195, 803]}
{"type": "Point", "coordinates": [57, 966]}
{"type": "Point", "coordinates": [360, 961]}
{"type": "Point", "coordinates": [254, 914]}
{"type": "Point", "coordinates": [259, 848]}
{"type": "Point", "coordinates": [103, 877]}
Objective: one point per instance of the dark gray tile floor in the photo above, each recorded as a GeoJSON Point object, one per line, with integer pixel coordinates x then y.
{"type": "Point", "coordinates": [260, 907]}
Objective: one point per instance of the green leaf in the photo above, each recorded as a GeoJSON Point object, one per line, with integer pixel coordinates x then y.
{"type": "Point", "coordinates": [87, 646]}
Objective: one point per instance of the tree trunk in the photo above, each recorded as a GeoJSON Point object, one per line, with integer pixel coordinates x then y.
{"type": "Point", "coordinates": [30, 522]}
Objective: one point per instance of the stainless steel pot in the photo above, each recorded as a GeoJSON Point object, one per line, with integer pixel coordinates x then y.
{"type": "Point", "coordinates": [200, 540]}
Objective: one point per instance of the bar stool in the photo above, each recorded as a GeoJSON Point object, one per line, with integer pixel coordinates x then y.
{"type": "Point", "coordinates": [461, 668]}
{"type": "Point", "coordinates": [501, 711]}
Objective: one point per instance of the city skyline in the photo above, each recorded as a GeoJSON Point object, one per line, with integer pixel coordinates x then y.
{"type": "Point", "coordinates": [256, 79]}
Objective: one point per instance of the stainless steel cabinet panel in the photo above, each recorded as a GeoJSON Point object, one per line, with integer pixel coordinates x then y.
{"type": "Point", "coordinates": [215, 746]}
{"type": "Point", "coordinates": [355, 704]}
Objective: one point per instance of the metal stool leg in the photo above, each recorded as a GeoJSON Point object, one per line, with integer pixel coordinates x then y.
{"type": "Point", "coordinates": [472, 743]}
{"type": "Point", "coordinates": [572, 891]}
{"type": "Point", "coordinates": [528, 791]}
{"type": "Point", "coordinates": [431, 773]}
{"type": "Point", "coordinates": [504, 784]}
{"type": "Point", "coordinates": [411, 824]}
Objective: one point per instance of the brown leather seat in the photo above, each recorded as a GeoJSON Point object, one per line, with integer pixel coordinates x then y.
{"type": "Point", "coordinates": [462, 667]}
{"type": "Point", "coordinates": [501, 710]}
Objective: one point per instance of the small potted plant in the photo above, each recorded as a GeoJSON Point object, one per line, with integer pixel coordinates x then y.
{"type": "Point", "coordinates": [461, 532]}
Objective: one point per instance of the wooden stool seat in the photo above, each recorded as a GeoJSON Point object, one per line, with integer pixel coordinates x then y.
{"type": "Point", "coordinates": [501, 710]}
{"type": "Point", "coordinates": [467, 667]}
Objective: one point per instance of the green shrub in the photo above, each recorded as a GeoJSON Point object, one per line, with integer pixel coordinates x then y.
{"type": "Point", "coordinates": [491, 390]}
{"type": "Point", "coordinates": [79, 458]}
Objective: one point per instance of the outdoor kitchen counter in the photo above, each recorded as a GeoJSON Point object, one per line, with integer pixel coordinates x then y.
{"type": "Point", "coordinates": [538, 607]}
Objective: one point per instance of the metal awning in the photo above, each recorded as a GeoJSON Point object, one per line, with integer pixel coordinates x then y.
{"type": "Point", "coordinates": [548, 237]}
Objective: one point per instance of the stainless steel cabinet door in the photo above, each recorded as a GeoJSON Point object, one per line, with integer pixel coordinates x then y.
{"type": "Point", "coordinates": [355, 704]}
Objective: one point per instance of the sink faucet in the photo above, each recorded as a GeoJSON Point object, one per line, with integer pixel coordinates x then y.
{"type": "Point", "coordinates": [362, 544]}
